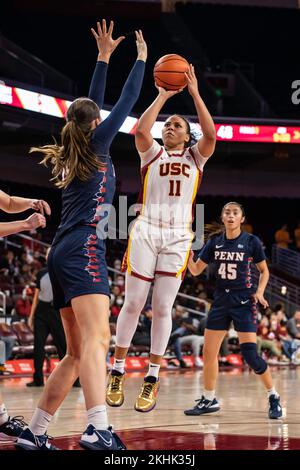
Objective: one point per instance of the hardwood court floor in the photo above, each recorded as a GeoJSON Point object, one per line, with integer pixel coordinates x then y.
{"type": "Point", "coordinates": [242, 422]}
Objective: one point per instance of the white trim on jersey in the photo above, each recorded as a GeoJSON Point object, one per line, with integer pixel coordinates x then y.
{"type": "Point", "coordinates": [147, 157]}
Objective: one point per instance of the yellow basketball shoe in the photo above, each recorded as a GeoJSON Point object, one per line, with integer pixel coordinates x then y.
{"type": "Point", "coordinates": [114, 391]}
{"type": "Point", "coordinates": [146, 400]}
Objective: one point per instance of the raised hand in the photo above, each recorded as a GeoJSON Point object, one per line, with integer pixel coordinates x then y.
{"type": "Point", "coordinates": [105, 43]}
{"type": "Point", "coordinates": [141, 46]}
{"type": "Point", "coordinates": [40, 206]}
{"type": "Point", "coordinates": [34, 221]}
{"type": "Point", "coordinates": [166, 94]}
{"type": "Point", "coordinates": [192, 81]}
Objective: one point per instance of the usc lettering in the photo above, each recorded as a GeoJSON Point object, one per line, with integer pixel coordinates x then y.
{"type": "Point", "coordinates": [174, 169]}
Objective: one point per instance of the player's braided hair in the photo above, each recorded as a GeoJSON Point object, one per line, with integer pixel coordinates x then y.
{"type": "Point", "coordinates": [217, 228]}
{"type": "Point", "coordinates": [73, 158]}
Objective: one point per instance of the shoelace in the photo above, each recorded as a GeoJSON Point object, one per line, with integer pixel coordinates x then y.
{"type": "Point", "coordinates": [19, 420]}
{"type": "Point", "coordinates": [116, 380]}
{"type": "Point", "coordinates": [200, 402]}
{"type": "Point", "coordinates": [45, 437]}
{"type": "Point", "coordinates": [147, 390]}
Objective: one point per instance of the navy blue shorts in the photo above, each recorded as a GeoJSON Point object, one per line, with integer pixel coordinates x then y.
{"type": "Point", "coordinates": [233, 306]}
{"type": "Point", "coordinates": [77, 266]}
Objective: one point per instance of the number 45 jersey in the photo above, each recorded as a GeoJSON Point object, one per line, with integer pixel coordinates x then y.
{"type": "Point", "coordinates": [170, 182]}
{"type": "Point", "coordinates": [233, 259]}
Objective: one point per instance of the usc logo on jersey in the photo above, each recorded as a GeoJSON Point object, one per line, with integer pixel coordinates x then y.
{"type": "Point", "coordinates": [174, 169]}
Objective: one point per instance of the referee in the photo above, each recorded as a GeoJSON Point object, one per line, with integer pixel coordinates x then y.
{"type": "Point", "coordinates": [44, 319]}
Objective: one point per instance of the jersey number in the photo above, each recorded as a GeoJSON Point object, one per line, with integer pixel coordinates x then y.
{"type": "Point", "coordinates": [227, 271]}
{"type": "Point", "coordinates": [174, 188]}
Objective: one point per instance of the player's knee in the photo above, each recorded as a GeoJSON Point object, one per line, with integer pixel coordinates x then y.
{"type": "Point", "coordinates": [133, 305]}
{"type": "Point", "coordinates": [162, 308]}
{"type": "Point", "coordinates": [249, 353]}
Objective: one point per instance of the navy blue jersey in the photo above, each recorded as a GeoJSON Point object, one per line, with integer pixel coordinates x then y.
{"type": "Point", "coordinates": [82, 200]}
{"type": "Point", "coordinates": [233, 259]}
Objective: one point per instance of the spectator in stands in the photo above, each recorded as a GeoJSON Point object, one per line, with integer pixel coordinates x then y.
{"type": "Point", "coordinates": [116, 307]}
{"type": "Point", "coordinates": [120, 282]}
{"type": "Point", "coordinates": [2, 357]}
{"type": "Point", "coordinates": [9, 342]}
{"type": "Point", "coordinates": [193, 337]}
{"type": "Point", "coordinates": [23, 304]}
{"type": "Point", "coordinates": [285, 339]}
{"type": "Point", "coordinates": [8, 262]}
{"type": "Point", "coordinates": [265, 338]}
{"type": "Point", "coordinates": [11, 428]}
{"type": "Point", "coordinates": [293, 328]}
{"type": "Point", "coordinates": [297, 236]}
{"type": "Point", "coordinates": [279, 310]}
{"type": "Point", "coordinates": [293, 325]}
{"type": "Point", "coordinates": [282, 237]}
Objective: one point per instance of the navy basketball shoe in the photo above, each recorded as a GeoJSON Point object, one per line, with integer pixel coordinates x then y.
{"type": "Point", "coordinates": [203, 406]}
{"type": "Point", "coordinates": [94, 439]}
{"type": "Point", "coordinates": [29, 441]}
{"type": "Point", "coordinates": [11, 429]}
{"type": "Point", "coordinates": [275, 409]}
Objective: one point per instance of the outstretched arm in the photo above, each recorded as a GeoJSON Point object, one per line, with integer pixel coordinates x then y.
{"type": "Point", "coordinates": [106, 131]}
{"type": "Point", "coordinates": [106, 45]}
{"type": "Point", "coordinates": [14, 204]}
{"type": "Point", "coordinates": [143, 137]}
{"type": "Point", "coordinates": [32, 222]}
{"type": "Point", "coordinates": [206, 145]}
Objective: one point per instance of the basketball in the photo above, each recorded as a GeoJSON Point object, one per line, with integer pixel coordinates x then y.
{"type": "Point", "coordinates": [169, 72]}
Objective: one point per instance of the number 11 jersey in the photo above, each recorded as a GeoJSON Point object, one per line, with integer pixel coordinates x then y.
{"type": "Point", "coordinates": [170, 182]}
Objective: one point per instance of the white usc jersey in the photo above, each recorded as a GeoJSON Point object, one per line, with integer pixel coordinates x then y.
{"type": "Point", "coordinates": [170, 181]}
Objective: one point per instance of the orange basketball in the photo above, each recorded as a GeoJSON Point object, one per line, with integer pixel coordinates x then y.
{"type": "Point", "coordinates": [169, 72]}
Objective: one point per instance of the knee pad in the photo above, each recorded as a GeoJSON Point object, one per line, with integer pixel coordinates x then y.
{"type": "Point", "coordinates": [252, 358]}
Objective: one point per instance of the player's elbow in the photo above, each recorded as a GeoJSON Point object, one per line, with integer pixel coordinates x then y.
{"type": "Point", "coordinates": [141, 132]}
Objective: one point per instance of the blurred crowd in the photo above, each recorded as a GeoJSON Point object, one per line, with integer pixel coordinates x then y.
{"type": "Point", "coordinates": [278, 336]}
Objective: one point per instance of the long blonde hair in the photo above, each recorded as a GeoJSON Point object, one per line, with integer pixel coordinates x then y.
{"type": "Point", "coordinates": [73, 158]}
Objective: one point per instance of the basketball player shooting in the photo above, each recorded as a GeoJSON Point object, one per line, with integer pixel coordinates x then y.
{"type": "Point", "coordinates": [161, 236]}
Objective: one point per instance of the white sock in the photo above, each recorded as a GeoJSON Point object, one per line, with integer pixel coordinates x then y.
{"type": "Point", "coordinates": [119, 365]}
{"type": "Point", "coordinates": [39, 422]}
{"type": "Point", "coordinates": [97, 416]}
{"type": "Point", "coordinates": [3, 414]}
{"type": "Point", "coordinates": [272, 391]}
{"type": "Point", "coordinates": [153, 370]}
{"type": "Point", "coordinates": [209, 394]}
